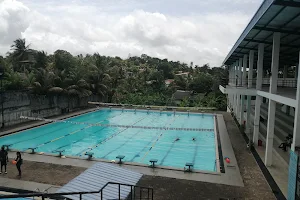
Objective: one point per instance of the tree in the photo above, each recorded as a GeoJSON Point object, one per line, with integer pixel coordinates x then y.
{"type": "Point", "coordinates": [63, 60]}
{"type": "Point", "coordinates": [135, 80]}
{"type": "Point", "coordinates": [45, 82]}
{"type": "Point", "coordinates": [166, 69]}
{"type": "Point", "coordinates": [98, 80]}
{"type": "Point", "coordinates": [41, 60]}
{"type": "Point", "coordinates": [202, 83]}
{"type": "Point", "coordinates": [181, 82]}
{"type": "Point", "coordinates": [20, 53]}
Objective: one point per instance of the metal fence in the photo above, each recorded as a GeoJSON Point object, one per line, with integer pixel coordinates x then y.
{"type": "Point", "coordinates": [136, 193]}
{"type": "Point", "coordinates": [288, 83]}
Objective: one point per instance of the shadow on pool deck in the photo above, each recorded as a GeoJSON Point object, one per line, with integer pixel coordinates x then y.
{"type": "Point", "coordinates": [256, 186]}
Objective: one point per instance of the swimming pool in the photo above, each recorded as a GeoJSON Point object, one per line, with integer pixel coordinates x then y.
{"type": "Point", "coordinates": [138, 145]}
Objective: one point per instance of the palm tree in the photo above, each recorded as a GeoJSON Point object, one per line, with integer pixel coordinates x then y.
{"type": "Point", "coordinates": [97, 76]}
{"type": "Point", "coordinates": [41, 59]}
{"type": "Point", "coordinates": [21, 53]}
{"type": "Point", "coordinates": [45, 82]}
{"type": "Point", "coordinates": [28, 79]}
{"type": "Point", "coordinates": [77, 86]}
{"type": "Point", "coordinates": [97, 79]}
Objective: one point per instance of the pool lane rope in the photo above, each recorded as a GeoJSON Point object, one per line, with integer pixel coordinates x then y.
{"type": "Point", "coordinates": [157, 140]}
{"type": "Point", "coordinates": [76, 131]}
{"type": "Point", "coordinates": [110, 137]}
{"type": "Point", "coordinates": [126, 141]}
{"type": "Point", "coordinates": [41, 136]}
{"type": "Point", "coordinates": [118, 126]}
{"type": "Point", "coordinates": [171, 147]}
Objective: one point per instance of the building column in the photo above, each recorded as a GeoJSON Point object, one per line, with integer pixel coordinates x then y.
{"type": "Point", "coordinates": [232, 74]}
{"type": "Point", "coordinates": [236, 73]}
{"type": "Point", "coordinates": [296, 143]}
{"type": "Point", "coordinates": [272, 104]}
{"type": "Point", "coordinates": [250, 79]}
{"type": "Point", "coordinates": [239, 97]}
{"type": "Point", "coordinates": [296, 133]}
{"type": "Point", "coordinates": [234, 94]}
{"type": "Point", "coordinates": [238, 103]}
{"type": "Point", "coordinates": [242, 108]}
{"type": "Point", "coordinates": [260, 64]}
{"type": "Point", "coordinates": [245, 59]}
{"type": "Point", "coordinates": [240, 64]}
{"type": "Point", "coordinates": [250, 72]}
{"type": "Point", "coordinates": [248, 129]}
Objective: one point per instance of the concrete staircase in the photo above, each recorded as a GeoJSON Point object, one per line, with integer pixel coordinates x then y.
{"type": "Point", "coordinates": [283, 126]}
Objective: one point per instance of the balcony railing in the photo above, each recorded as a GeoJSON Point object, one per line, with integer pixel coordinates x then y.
{"type": "Point", "coordinates": [289, 83]}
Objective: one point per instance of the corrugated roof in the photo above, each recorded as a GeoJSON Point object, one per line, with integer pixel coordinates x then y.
{"type": "Point", "coordinates": [273, 16]}
{"type": "Point", "coordinates": [181, 94]}
{"type": "Point", "coordinates": [94, 178]}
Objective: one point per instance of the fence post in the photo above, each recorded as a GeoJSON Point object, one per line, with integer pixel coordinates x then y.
{"type": "Point", "coordinates": [119, 191]}
{"type": "Point", "coordinates": [152, 193]}
{"type": "Point", "coordinates": [141, 190]}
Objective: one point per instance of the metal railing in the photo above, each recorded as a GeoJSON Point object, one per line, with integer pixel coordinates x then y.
{"type": "Point", "coordinates": [136, 193]}
{"type": "Point", "coordinates": [288, 83]}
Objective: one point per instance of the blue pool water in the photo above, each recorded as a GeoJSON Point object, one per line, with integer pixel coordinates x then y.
{"type": "Point", "coordinates": [137, 145]}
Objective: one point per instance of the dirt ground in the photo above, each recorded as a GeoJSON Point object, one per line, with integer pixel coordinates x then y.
{"type": "Point", "coordinates": [256, 187]}
{"type": "Point", "coordinates": [43, 173]}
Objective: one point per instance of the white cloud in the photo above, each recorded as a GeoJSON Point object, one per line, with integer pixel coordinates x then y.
{"type": "Point", "coordinates": [87, 28]}
{"type": "Point", "coordinates": [13, 20]}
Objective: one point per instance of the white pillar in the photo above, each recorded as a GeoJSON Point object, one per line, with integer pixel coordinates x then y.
{"type": "Point", "coordinates": [229, 74]}
{"type": "Point", "coordinates": [245, 59]}
{"type": "Point", "coordinates": [260, 64]}
{"type": "Point", "coordinates": [240, 82]}
{"type": "Point", "coordinates": [242, 108]}
{"type": "Point", "coordinates": [272, 104]}
{"type": "Point", "coordinates": [296, 134]}
{"type": "Point", "coordinates": [248, 130]}
{"type": "Point", "coordinates": [232, 75]}
{"type": "Point", "coordinates": [237, 73]}
{"type": "Point", "coordinates": [250, 72]}
{"type": "Point", "coordinates": [238, 103]}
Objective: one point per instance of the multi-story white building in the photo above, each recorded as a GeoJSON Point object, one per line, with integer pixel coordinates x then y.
{"type": "Point", "coordinates": [261, 66]}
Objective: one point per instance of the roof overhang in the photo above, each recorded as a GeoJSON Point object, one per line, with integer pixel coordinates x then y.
{"type": "Point", "coordinates": [272, 16]}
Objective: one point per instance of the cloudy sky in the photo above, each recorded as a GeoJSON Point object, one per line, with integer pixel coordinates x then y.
{"type": "Point", "coordinates": [185, 30]}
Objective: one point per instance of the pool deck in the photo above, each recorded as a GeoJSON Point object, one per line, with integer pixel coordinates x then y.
{"type": "Point", "coordinates": [231, 176]}
{"type": "Point", "coordinates": [26, 185]}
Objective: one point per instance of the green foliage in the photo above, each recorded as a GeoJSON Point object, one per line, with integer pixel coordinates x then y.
{"type": "Point", "coordinates": [202, 83]}
{"type": "Point", "coordinates": [185, 103]}
{"type": "Point", "coordinates": [63, 60]}
{"type": "Point", "coordinates": [136, 80]}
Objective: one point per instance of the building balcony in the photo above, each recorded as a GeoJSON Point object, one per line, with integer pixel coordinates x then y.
{"type": "Point", "coordinates": [286, 90]}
